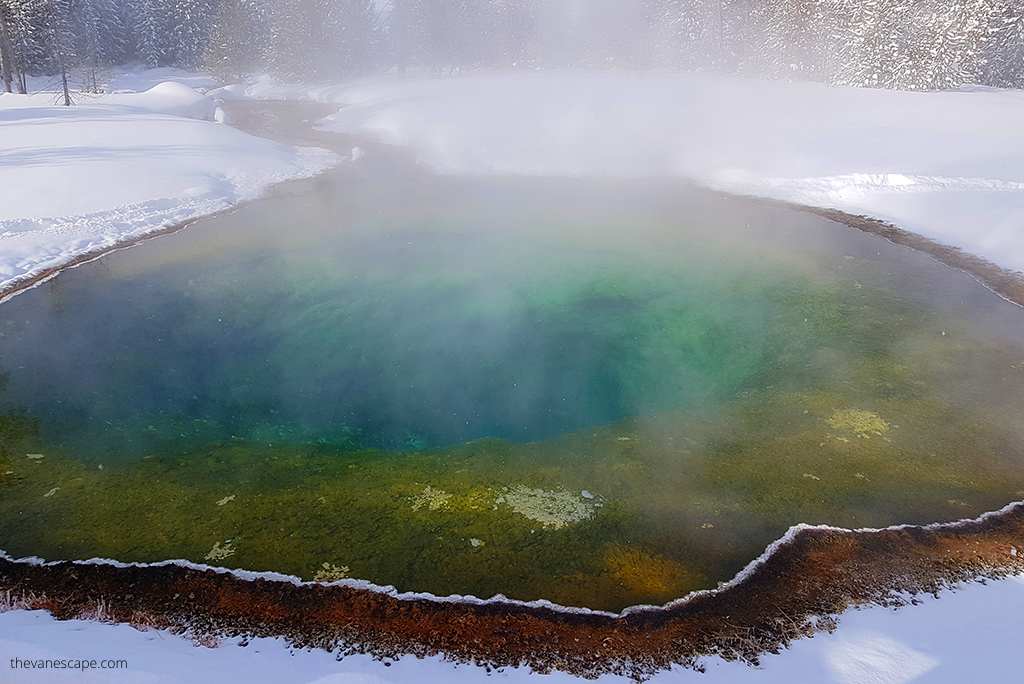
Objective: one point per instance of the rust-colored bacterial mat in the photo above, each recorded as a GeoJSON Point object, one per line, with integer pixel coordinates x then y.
{"type": "Point", "coordinates": [800, 586]}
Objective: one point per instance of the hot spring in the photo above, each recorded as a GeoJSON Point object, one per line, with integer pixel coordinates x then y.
{"type": "Point", "coordinates": [597, 393]}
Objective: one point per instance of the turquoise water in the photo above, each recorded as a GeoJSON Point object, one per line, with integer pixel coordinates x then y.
{"type": "Point", "coordinates": [374, 329]}
{"type": "Point", "coordinates": [601, 393]}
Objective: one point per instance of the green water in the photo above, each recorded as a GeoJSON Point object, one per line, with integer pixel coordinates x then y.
{"type": "Point", "coordinates": [601, 394]}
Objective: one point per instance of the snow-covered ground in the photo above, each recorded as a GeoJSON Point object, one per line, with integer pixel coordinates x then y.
{"type": "Point", "coordinates": [946, 165]}
{"type": "Point", "coordinates": [78, 179]}
{"type": "Point", "coordinates": [970, 635]}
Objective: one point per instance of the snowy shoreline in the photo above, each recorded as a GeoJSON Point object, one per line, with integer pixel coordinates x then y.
{"type": "Point", "coordinates": [884, 645]}
{"type": "Point", "coordinates": [939, 165]}
{"type": "Point", "coordinates": [366, 585]}
{"type": "Point", "coordinates": [80, 181]}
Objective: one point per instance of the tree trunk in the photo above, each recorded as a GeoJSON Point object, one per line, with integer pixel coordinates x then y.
{"type": "Point", "coordinates": [720, 30]}
{"type": "Point", "coordinates": [59, 52]}
{"type": "Point", "coordinates": [64, 83]}
{"type": "Point", "coordinates": [400, 24]}
{"type": "Point", "coordinates": [6, 53]}
{"type": "Point", "coordinates": [746, 37]}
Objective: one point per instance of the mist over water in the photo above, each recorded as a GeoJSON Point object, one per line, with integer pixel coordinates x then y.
{"type": "Point", "coordinates": [467, 310]}
{"type": "Point", "coordinates": [599, 393]}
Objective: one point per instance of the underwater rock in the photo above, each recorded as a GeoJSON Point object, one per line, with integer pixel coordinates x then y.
{"type": "Point", "coordinates": [859, 421]}
{"type": "Point", "coordinates": [646, 573]}
{"type": "Point", "coordinates": [433, 499]}
{"type": "Point", "coordinates": [219, 552]}
{"type": "Point", "coordinates": [329, 572]}
{"type": "Point", "coordinates": [551, 508]}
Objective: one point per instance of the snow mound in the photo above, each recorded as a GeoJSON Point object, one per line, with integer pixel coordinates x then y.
{"type": "Point", "coordinates": [137, 78]}
{"type": "Point", "coordinates": [81, 179]}
{"type": "Point", "coordinates": [169, 97]}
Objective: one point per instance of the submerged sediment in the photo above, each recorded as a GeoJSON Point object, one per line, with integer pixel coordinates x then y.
{"type": "Point", "coordinates": [1005, 282]}
{"type": "Point", "coordinates": [798, 587]}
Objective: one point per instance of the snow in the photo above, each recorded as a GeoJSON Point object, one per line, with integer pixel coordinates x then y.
{"type": "Point", "coordinates": [137, 78]}
{"type": "Point", "coordinates": [945, 165]}
{"type": "Point", "coordinates": [946, 640]}
{"type": "Point", "coordinates": [114, 167]}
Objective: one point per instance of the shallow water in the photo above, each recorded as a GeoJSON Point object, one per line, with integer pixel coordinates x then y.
{"type": "Point", "coordinates": [599, 393]}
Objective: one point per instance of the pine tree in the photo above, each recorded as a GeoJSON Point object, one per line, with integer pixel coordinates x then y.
{"type": "Point", "coordinates": [26, 31]}
{"type": "Point", "coordinates": [946, 45]}
{"type": "Point", "coordinates": [100, 39]}
{"type": "Point", "coordinates": [1002, 57]}
{"type": "Point", "coordinates": [60, 41]}
{"type": "Point", "coordinates": [613, 33]}
{"type": "Point", "coordinates": [237, 40]}
{"type": "Point", "coordinates": [688, 34]}
{"type": "Point", "coordinates": [7, 65]}
{"type": "Point", "coordinates": [796, 38]}
{"type": "Point", "coordinates": [152, 24]}
{"type": "Point", "coordinates": [432, 27]}
{"type": "Point", "coordinates": [873, 52]}
{"type": "Point", "coordinates": [190, 32]}
{"type": "Point", "coordinates": [317, 40]}
{"type": "Point", "coordinates": [514, 31]}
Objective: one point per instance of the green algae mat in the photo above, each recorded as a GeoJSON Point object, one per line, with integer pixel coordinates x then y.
{"type": "Point", "coordinates": [600, 394]}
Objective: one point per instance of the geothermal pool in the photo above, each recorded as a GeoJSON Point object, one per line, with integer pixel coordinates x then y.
{"type": "Point", "coordinates": [597, 393]}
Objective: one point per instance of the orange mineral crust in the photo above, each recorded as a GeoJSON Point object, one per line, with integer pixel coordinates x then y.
{"type": "Point", "coordinates": [797, 588]}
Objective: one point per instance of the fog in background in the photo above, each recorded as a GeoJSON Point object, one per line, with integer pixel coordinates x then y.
{"type": "Point", "coordinates": [906, 44]}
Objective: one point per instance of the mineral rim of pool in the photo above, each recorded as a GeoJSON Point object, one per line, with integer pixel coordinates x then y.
{"type": "Point", "coordinates": [597, 393]}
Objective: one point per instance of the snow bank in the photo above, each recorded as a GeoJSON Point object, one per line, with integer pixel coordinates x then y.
{"type": "Point", "coordinates": [946, 165]}
{"type": "Point", "coordinates": [79, 179]}
{"type": "Point", "coordinates": [136, 78]}
{"type": "Point", "coordinates": [967, 635]}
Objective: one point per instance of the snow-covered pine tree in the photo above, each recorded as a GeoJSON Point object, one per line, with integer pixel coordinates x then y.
{"type": "Point", "coordinates": [86, 19]}
{"type": "Point", "coordinates": [100, 40]}
{"type": "Point", "coordinates": [317, 40]}
{"type": "Point", "coordinates": [60, 42]}
{"type": "Point", "coordinates": [1002, 56]}
{"type": "Point", "coordinates": [299, 32]}
{"type": "Point", "coordinates": [193, 20]}
{"type": "Point", "coordinates": [7, 65]}
{"type": "Point", "coordinates": [152, 26]}
{"type": "Point", "coordinates": [872, 50]}
{"type": "Point", "coordinates": [115, 36]}
{"type": "Point", "coordinates": [614, 34]}
{"type": "Point", "coordinates": [946, 43]}
{"type": "Point", "coordinates": [26, 30]}
{"type": "Point", "coordinates": [356, 38]}
{"type": "Point", "coordinates": [687, 34]}
{"type": "Point", "coordinates": [432, 29]}
{"type": "Point", "coordinates": [237, 41]}
{"type": "Point", "coordinates": [512, 28]}
{"type": "Point", "coordinates": [553, 37]}
{"type": "Point", "coordinates": [796, 38]}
